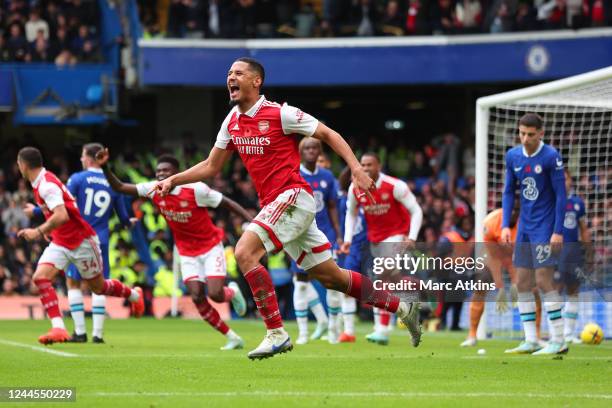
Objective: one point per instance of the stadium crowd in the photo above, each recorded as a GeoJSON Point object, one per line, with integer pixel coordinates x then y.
{"type": "Point", "coordinates": [363, 18]}
{"type": "Point", "coordinates": [435, 174]}
{"type": "Point", "coordinates": [61, 31]}
{"type": "Point", "coordinates": [441, 174]}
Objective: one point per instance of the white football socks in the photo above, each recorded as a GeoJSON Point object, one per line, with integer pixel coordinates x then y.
{"type": "Point", "coordinates": [349, 308]}
{"type": "Point", "coordinates": [98, 313]}
{"type": "Point", "coordinates": [527, 308]}
{"type": "Point", "coordinates": [77, 310]}
{"type": "Point", "coordinates": [300, 304]}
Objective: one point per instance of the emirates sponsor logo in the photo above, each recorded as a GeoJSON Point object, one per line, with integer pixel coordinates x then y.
{"type": "Point", "coordinates": [377, 209]}
{"type": "Point", "coordinates": [251, 145]}
{"type": "Point", "coordinates": [177, 216]}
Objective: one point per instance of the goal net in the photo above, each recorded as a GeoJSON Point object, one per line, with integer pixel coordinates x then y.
{"type": "Point", "coordinates": [577, 113]}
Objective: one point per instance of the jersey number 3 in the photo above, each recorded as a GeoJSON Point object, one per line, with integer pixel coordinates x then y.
{"type": "Point", "coordinates": [100, 198]}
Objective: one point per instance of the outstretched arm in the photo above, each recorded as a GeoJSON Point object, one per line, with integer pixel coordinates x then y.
{"type": "Point", "coordinates": [119, 186]}
{"type": "Point", "coordinates": [332, 138]}
{"type": "Point", "coordinates": [236, 208]}
{"type": "Point", "coordinates": [201, 171]}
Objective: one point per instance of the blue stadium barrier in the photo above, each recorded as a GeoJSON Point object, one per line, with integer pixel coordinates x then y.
{"type": "Point", "coordinates": [532, 56]}
{"type": "Point", "coordinates": [46, 94]}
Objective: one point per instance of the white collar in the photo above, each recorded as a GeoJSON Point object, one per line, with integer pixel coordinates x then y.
{"type": "Point", "coordinates": [39, 178]}
{"type": "Point", "coordinates": [536, 152]}
{"type": "Point", "coordinates": [305, 170]}
{"type": "Point", "coordinates": [95, 170]}
{"type": "Point", "coordinates": [379, 181]}
{"type": "Point", "coordinates": [254, 109]}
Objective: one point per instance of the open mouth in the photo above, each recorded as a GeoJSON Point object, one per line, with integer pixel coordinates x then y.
{"type": "Point", "coordinates": [234, 90]}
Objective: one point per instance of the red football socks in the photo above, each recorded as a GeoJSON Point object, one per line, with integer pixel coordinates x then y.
{"type": "Point", "coordinates": [112, 287]}
{"type": "Point", "coordinates": [361, 288]}
{"type": "Point", "coordinates": [48, 297]}
{"type": "Point", "coordinates": [265, 297]}
{"type": "Point", "coordinates": [211, 315]}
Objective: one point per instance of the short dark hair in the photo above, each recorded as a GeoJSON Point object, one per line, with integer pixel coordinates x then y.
{"type": "Point", "coordinates": [256, 66]}
{"type": "Point", "coordinates": [531, 120]}
{"type": "Point", "coordinates": [371, 154]}
{"type": "Point", "coordinates": [91, 149]}
{"type": "Point", "coordinates": [168, 158]}
{"type": "Point", "coordinates": [31, 156]}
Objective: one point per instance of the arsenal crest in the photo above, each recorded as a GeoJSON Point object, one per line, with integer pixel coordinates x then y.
{"type": "Point", "coordinates": [263, 126]}
{"type": "Point", "coordinates": [184, 204]}
{"type": "Point", "coordinates": [384, 196]}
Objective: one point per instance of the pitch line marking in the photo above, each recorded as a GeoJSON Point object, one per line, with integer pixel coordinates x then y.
{"type": "Point", "coordinates": [351, 394]}
{"type": "Point", "coordinates": [37, 348]}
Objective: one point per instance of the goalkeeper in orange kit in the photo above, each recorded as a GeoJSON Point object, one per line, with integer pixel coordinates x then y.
{"type": "Point", "coordinates": [498, 256]}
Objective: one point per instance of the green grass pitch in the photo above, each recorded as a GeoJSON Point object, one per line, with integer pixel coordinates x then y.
{"type": "Point", "coordinates": [176, 363]}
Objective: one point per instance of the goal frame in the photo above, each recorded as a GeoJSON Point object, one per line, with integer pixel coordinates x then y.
{"type": "Point", "coordinates": [483, 105]}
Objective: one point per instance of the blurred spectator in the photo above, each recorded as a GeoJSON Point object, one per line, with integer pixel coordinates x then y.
{"type": "Point", "coordinates": [554, 14]}
{"type": "Point", "coordinates": [596, 13]}
{"type": "Point", "coordinates": [443, 17]}
{"type": "Point", "coordinates": [393, 20]}
{"type": "Point", "coordinates": [60, 42]}
{"type": "Point", "coordinates": [65, 57]}
{"type": "Point", "coordinates": [364, 17]}
{"type": "Point", "coordinates": [40, 49]}
{"type": "Point", "coordinates": [305, 21]}
{"type": "Point", "coordinates": [79, 41]}
{"type": "Point", "coordinates": [4, 53]}
{"type": "Point", "coordinates": [89, 53]}
{"type": "Point", "coordinates": [417, 18]}
{"type": "Point", "coordinates": [468, 15]}
{"type": "Point", "coordinates": [525, 17]}
{"type": "Point", "coordinates": [503, 20]}
{"type": "Point", "coordinates": [14, 218]}
{"type": "Point", "coordinates": [60, 22]}
{"type": "Point", "coordinates": [17, 45]}
{"type": "Point", "coordinates": [34, 25]}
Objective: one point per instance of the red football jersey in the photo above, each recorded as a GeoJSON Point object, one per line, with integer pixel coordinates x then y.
{"type": "Point", "coordinates": [50, 192]}
{"type": "Point", "coordinates": [266, 140]}
{"type": "Point", "coordinates": [387, 216]}
{"type": "Point", "coordinates": [185, 211]}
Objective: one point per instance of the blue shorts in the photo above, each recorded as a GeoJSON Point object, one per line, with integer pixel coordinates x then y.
{"type": "Point", "coordinates": [532, 250]}
{"type": "Point", "coordinates": [571, 264]}
{"type": "Point", "coordinates": [73, 272]}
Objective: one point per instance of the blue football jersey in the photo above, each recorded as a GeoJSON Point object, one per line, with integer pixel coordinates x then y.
{"type": "Point", "coordinates": [574, 211]}
{"type": "Point", "coordinates": [541, 182]}
{"type": "Point", "coordinates": [325, 188]}
{"type": "Point", "coordinates": [96, 200]}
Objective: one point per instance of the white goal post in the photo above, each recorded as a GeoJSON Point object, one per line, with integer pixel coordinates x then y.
{"type": "Point", "coordinates": [589, 92]}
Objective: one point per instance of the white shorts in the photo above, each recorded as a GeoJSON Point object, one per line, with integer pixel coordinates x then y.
{"type": "Point", "coordinates": [389, 248]}
{"type": "Point", "coordinates": [208, 265]}
{"type": "Point", "coordinates": [289, 223]}
{"type": "Point", "coordinates": [87, 257]}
